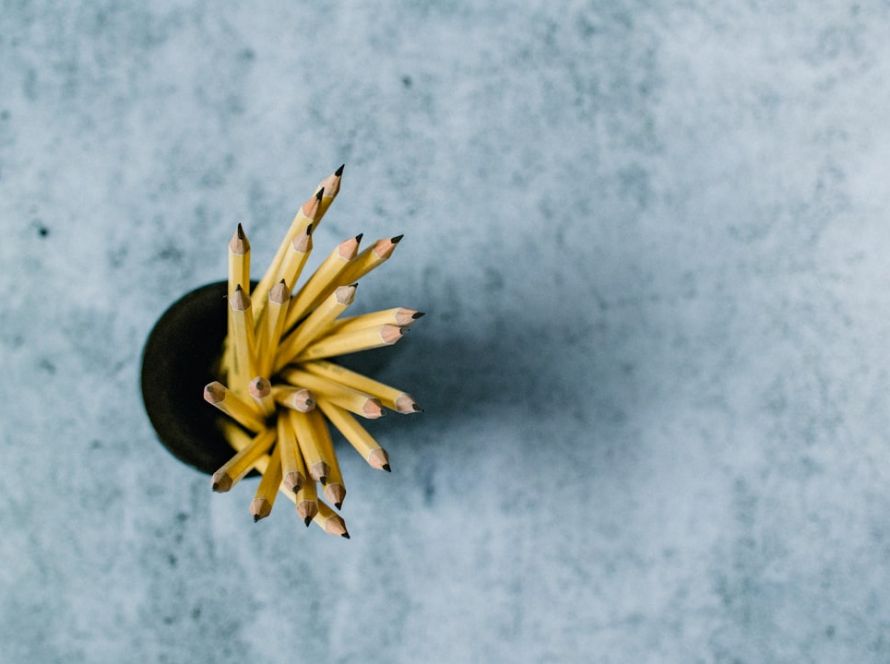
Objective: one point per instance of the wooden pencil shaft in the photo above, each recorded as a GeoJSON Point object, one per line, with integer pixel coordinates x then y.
{"type": "Point", "coordinates": [298, 398]}
{"type": "Point", "coordinates": [292, 266]}
{"type": "Point", "coordinates": [238, 439]}
{"type": "Point", "coordinates": [272, 326]}
{"type": "Point", "coordinates": [309, 445]}
{"type": "Point", "coordinates": [351, 342]}
{"type": "Point", "coordinates": [292, 469]}
{"type": "Point", "coordinates": [224, 399]}
{"type": "Point", "coordinates": [329, 521]}
{"type": "Point", "coordinates": [354, 433]}
{"type": "Point", "coordinates": [243, 335]}
{"type": "Point", "coordinates": [391, 397]}
{"type": "Point", "coordinates": [267, 490]}
{"type": "Point", "coordinates": [334, 489]}
{"type": "Point", "coordinates": [239, 262]}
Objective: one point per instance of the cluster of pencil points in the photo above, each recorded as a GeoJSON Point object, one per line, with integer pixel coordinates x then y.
{"type": "Point", "coordinates": [281, 391]}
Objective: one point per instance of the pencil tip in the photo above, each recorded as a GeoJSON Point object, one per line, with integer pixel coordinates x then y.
{"type": "Point", "coordinates": [256, 517]}
{"type": "Point", "coordinates": [309, 229]}
{"type": "Point", "coordinates": [323, 479]}
{"type": "Point", "coordinates": [387, 468]}
{"type": "Point", "coordinates": [346, 535]}
{"type": "Point", "coordinates": [358, 238]}
{"type": "Point", "coordinates": [418, 314]}
{"type": "Point", "coordinates": [417, 409]}
{"type": "Point", "coordinates": [320, 194]}
{"type": "Point", "coordinates": [338, 505]}
{"type": "Point", "coordinates": [397, 238]}
{"type": "Point", "coordinates": [339, 171]}
{"type": "Point", "coordinates": [307, 521]}
{"type": "Point", "coordinates": [240, 231]}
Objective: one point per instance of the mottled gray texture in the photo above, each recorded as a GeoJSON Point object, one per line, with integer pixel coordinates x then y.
{"type": "Point", "coordinates": [653, 242]}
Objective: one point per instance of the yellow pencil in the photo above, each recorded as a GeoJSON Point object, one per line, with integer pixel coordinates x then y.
{"type": "Point", "coordinates": [329, 521]}
{"type": "Point", "coordinates": [243, 336]}
{"type": "Point", "coordinates": [334, 305]}
{"type": "Point", "coordinates": [334, 488]}
{"type": "Point", "coordinates": [310, 446]}
{"type": "Point", "coordinates": [291, 266]}
{"type": "Point", "coordinates": [237, 467]}
{"type": "Point", "coordinates": [266, 492]}
{"type": "Point", "coordinates": [323, 280]}
{"type": "Point", "coordinates": [292, 470]}
{"type": "Point", "coordinates": [239, 261]}
{"type": "Point", "coordinates": [331, 187]}
{"type": "Point", "coordinates": [219, 395]}
{"type": "Point", "coordinates": [307, 501]}
{"type": "Point", "coordinates": [272, 325]}
{"type": "Point", "coordinates": [345, 397]}
{"type": "Point", "coordinates": [395, 316]}
{"type": "Point", "coordinates": [352, 342]}
{"type": "Point", "coordinates": [391, 397]}
{"type": "Point", "coordinates": [370, 259]}
{"type": "Point", "coordinates": [307, 214]}
{"type": "Point", "coordinates": [357, 436]}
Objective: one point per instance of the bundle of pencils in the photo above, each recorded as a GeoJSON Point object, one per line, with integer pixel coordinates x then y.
{"type": "Point", "coordinates": [281, 390]}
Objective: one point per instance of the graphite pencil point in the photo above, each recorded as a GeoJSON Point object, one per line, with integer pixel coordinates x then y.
{"type": "Point", "coordinates": [307, 521]}
{"type": "Point", "coordinates": [346, 535]}
{"type": "Point", "coordinates": [339, 171]}
{"type": "Point", "coordinates": [387, 468]}
{"type": "Point", "coordinates": [358, 238]}
{"type": "Point", "coordinates": [397, 238]}
{"type": "Point", "coordinates": [418, 314]}
{"type": "Point", "coordinates": [320, 193]}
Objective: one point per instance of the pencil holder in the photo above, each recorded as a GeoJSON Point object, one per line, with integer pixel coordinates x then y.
{"type": "Point", "coordinates": [180, 356]}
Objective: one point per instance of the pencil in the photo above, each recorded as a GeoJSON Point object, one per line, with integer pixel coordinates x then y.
{"type": "Point", "coordinates": [267, 491]}
{"type": "Point", "coordinates": [329, 521]}
{"type": "Point", "coordinates": [292, 265]}
{"type": "Point", "coordinates": [237, 467]}
{"type": "Point", "coordinates": [239, 261]}
{"type": "Point", "coordinates": [217, 394]}
{"type": "Point", "coordinates": [261, 391]}
{"type": "Point", "coordinates": [307, 501]}
{"type": "Point", "coordinates": [323, 280]}
{"type": "Point", "coordinates": [243, 336]}
{"type": "Point", "coordinates": [352, 342]}
{"type": "Point", "coordinates": [334, 305]}
{"type": "Point", "coordinates": [310, 447]}
{"type": "Point", "coordinates": [395, 316]}
{"type": "Point", "coordinates": [331, 187]}
{"type": "Point", "coordinates": [239, 439]}
{"type": "Point", "coordinates": [298, 398]}
{"type": "Point", "coordinates": [334, 488]}
{"type": "Point", "coordinates": [370, 258]}
{"type": "Point", "coordinates": [272, 325]}
{"type": "Point", "coordinates": [356, 435]}
{"type": "Point", "coordinates": [292, 470]}
{"type": "Point", "coordinates": [391, 397]}
{"type": "Point", "coordinates": [345, 397]}
{"type": "Point", "coordinates": [307, 214]}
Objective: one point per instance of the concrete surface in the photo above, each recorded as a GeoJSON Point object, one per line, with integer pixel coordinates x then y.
{"type": "Point", "coordinates": [652, 238]}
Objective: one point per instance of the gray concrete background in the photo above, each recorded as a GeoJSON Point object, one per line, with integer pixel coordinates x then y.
{"type": "Point", "coordinates": [653, 242]}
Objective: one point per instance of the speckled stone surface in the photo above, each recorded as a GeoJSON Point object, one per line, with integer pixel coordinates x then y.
{"type": "Point", "coordinates": [653, 241]}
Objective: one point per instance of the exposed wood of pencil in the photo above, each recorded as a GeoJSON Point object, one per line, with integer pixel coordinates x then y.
{"type": "Point", "coordinates": [235, 468]}
{"type": "Point", "coordinates": [323, 280]}
{"type": "Point", "coordinates": [356, 435]}
{"type": "Point", "coordinates": [352, 342]}
{"type": "Point", "coordinates": [292, 470]}
{"type": "Point", "coordinates": [395, 316]}
{"type": "Point", "coordinates": [306, 500]}
{"type": "Point", "coordinates": [310, 447]}
{"type": "Point", "coordinates": [314, 325]}
{"type": "Point", "coordinates": [307, 214]}
{"type": "Point", "coordinates": [243, 335]}
{"type": "Point", "coordinates": [273, 322]}
{"type": "Point", "coordinates": [391, 397]}
{"type": "Point", "coordinates": [231, 404]}
{"type": "Point", "coordinates": [329, 521]}
{"type": "Point", "coordinates": [260, 390]}
{"type": "Point", "coordinates": [298, 398]}
{"type": "Point", "coordinates": [266, 492]}
{"type": "Point", "coordinates": [331, 187]}
{"type": "Point", "coordinates": [334, 488]}
{"type": "Point", "coordinates": [345, 397]}
{"type": "Point", "coordinates": [369, 259]}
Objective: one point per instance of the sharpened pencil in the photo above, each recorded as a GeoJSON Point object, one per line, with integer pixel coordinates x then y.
{"type": "Point", "coordinates": [267, 491]}
{"type": "Point", "coordinates": [310, 446]}
{"type": "Point", "coordinates": [292, 469]}
{"type": "Point", "coordinates": [330, 522]}
{"type": "Point", "coordinates": [306, 500]}
{"type": "Point", "coordinates": [356, 435]}
{"type": "Point", "coordinates": [352, 342]}
{"type": "Point", "coordinates": [231, 404]}
{"type": "Point", "coordinates": [334, 488]}
{"type": "Point", "coordinates": [298, 398]}
{"type": "Point", "coordinates": [395, 316]}
{"type": "Point", "coordinates": [237, 467]}
{"type": "Point", "coordinates": [243, 335]}
{"type": "Point", "coordinates": [391, 397]}
{"type": "Point", "coordinates": [345, 397]}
